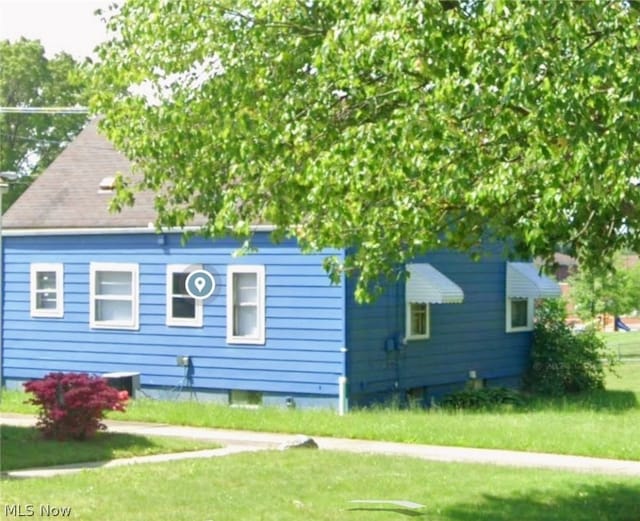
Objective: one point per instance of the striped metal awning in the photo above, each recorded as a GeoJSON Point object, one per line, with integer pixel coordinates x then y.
{"type": "Point", "coordinates": [525, 281]}
{"type": "Point", "coordinates": [427, 285]}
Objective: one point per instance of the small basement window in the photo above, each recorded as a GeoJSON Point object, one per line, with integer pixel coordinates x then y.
{"type": "Point", "coordinates": [46, 288]}
{"type": "Point", "coordinates": [242, 398]}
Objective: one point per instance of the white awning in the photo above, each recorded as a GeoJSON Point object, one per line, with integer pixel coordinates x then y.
{"type": "Point", "coordinates": [427, 285]}
{"type": "Point", "coordinates": [524, 281]}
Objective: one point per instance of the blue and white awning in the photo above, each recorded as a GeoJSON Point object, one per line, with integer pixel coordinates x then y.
{"type": "Point", "coordinates": [525, 281]}
{"type": "Point", "coordinates": [427, 285]}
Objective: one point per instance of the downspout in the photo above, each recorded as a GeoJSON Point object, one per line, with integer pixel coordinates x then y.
{"type": "Point", "coordinates": [343, 388]}
{"type": "Point", "coordinates": [3, 190]}
{"type": "Point", "coordinates": [400, 342]}
{"type": "Point", "coordinates": [343, 398]}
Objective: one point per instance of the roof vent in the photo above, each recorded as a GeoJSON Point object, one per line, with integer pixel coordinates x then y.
{"type": "Point", "coordinates": [107, 185]}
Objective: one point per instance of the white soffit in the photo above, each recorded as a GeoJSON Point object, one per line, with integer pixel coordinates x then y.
{"type": "Point", "coordinates": [524, 281]}
{"type": "Point", "coordinates": [427, 285]}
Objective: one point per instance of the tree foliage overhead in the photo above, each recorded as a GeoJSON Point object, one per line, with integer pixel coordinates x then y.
{"type": "Point", "coordinates": [392, 127]}
{"type": "Point", "coordinates": [30, 142]}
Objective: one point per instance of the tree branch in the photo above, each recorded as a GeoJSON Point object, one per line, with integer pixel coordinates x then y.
{"type": "Point", "coordinates": [264, 23]}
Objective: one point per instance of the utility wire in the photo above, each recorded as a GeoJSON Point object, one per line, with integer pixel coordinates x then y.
{"type": "Point", "coordinates": [44, 110]}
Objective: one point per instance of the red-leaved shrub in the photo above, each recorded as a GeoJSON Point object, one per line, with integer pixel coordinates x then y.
{"type": "Point", "coordinates": [72, 404]}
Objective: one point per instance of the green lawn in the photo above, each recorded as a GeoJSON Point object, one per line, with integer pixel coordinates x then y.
{"type": "Point", "coordinates": [605, 424]}
{"type": "Point", "coordinates": [318, 485]}
{"type": "Point", "coordinates": [23, 447]}
{"type": "Point", "coordinates": [625, 344]}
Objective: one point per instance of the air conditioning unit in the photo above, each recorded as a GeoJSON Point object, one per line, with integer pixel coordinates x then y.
{"type": "Point", "coordinates": [124, 381]}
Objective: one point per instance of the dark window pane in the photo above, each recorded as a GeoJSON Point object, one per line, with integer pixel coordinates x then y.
{"type": "Point", "coordinates": [184, 307]}
{"type": "Point", "coordinates": [180, 283]}
{"type": "Point", "coordinates": [519, 313]}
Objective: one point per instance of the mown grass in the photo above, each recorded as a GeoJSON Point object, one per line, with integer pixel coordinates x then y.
{"type": "Point", "coordinates": [625, 344]}
{"type": "Point", "coordinates": [23, 447]}
{"type": "Point", "coordinates": [603, 423]}
{"type": "Point", "coordinates": [321, 485]}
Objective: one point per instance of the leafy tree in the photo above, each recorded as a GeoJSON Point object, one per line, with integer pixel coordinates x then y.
{"type": "Point", "coordinates": [633, 273]}
{"type": "Point", "coordinates": [30, 142]}
{"type": "Point", "coordinates": [613, 290]}
{"type": "Point", "coordinates": [391, 127]}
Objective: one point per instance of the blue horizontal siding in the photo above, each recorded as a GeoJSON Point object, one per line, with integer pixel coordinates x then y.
{"type": "Point", "coordinates": [197, 352]}
{"type": "Point", "coordinates": [205, 382]}
{"type": "Point", "coordinates": [464, 337]}
{"type": "Point", "coordinates": [304, 316]}
{"type": "Point", "coordinates": [202, 361]}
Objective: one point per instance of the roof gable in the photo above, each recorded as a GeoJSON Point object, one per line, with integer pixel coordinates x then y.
{"type": "Point", "coordinates": [67, 194]}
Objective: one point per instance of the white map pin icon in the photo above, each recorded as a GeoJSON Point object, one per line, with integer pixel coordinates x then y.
{"type": "Point", "coordinates": [200, 283]}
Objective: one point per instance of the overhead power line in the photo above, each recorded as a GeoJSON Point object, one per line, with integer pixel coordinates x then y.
{"type": "Point", "coordinates": [44, 110]}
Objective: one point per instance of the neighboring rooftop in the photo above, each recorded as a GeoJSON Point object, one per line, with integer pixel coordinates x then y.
{"type": "Point", "coordinates": [68, 194]}
{"type": "Point", "coordinates": [562, 259]}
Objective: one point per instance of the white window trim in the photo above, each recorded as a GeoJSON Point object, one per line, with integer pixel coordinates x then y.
{"type": "Point", "coordinates": [530, 306]}
{"type": "Point", "coordinates": [58, 311]}
{"type": "Point", "coordinates": [198, 320]}
{"type": "Point", "coordinates": [261, 300]}
{"type": "Point", "coordinates": [408, 335]}
{"type": "Point", "coordinates": [132, 268]}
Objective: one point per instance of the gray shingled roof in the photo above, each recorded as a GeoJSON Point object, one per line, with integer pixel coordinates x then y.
{"type": "Point", "coordinates": [66, 195]}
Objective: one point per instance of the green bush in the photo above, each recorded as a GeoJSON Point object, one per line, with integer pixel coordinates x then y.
{"type": "Point", "coordinates": [484, 398]}
{"type": "Point", "coordinates": [563, 361]}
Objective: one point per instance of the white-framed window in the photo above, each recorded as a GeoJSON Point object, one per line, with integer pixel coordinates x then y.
{"type": "Point", "coordinates": [245, 304]}
{"type": "Point", "coordinates": [182, 308]}
{"type": "Point", "coordinates": [519, 314]}
{"type": "Point", "coordinates": [114, 295]}
{"type": "Point", "coordinates": [418, 323]}
{"type": "Point", "coordinates": [47, 293]}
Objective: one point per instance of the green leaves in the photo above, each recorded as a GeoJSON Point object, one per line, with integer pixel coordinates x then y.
{"type": "Point", "coordinates": [612, 289]}
{"type": "Point", "coordinates": [390, 128]}
{"type": "Point", "coordinates": [563, 361]}
{"type": "Point", "coordinates": [30, 142]}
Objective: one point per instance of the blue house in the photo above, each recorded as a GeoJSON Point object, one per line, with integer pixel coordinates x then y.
{"type": "Point", "coordinates": [85, 290]}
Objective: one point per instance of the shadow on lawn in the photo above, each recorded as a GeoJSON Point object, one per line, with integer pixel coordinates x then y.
{"type": "Point", "coordinates": [613, 502]}
{"type": "Point", "coordinates": [24, 447]}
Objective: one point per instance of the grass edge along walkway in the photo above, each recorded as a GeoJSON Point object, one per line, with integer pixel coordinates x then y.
{"type": "Point", "coordinates": [599, 424]}
{"type": "Point", "coordinates": [238, 441]}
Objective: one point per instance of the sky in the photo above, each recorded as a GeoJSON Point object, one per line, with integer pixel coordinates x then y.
{"type": "Point", "coordinates": [61, 25]}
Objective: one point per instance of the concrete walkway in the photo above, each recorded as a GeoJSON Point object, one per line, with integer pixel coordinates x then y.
{"type": "Point", "coordinates": [234, 442]}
